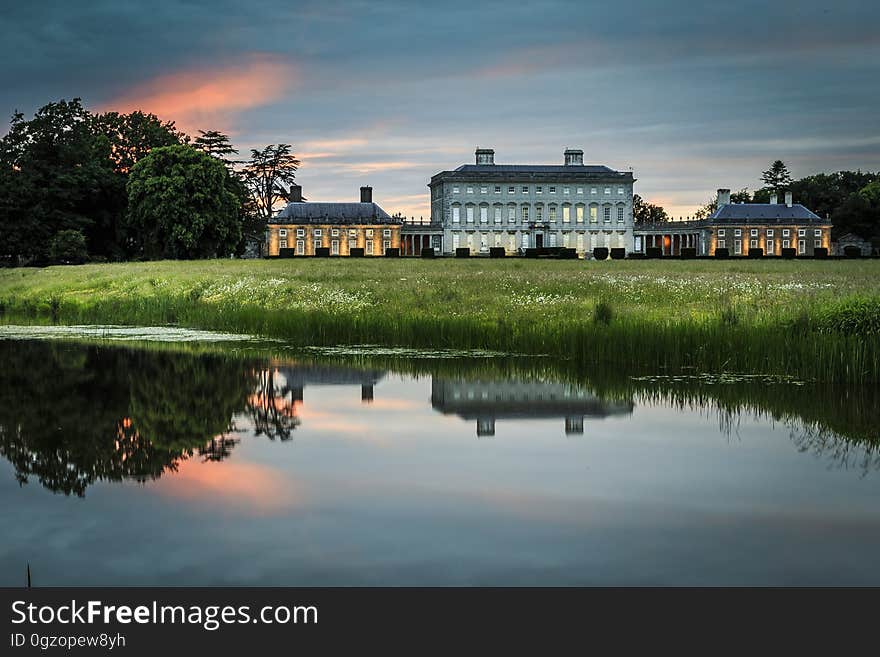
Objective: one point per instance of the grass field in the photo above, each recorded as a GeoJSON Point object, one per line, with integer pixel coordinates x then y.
{"type": "Point", "coordinates": [817, 320]}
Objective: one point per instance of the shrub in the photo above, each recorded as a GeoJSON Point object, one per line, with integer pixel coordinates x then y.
{"type": "Point", "coordinates": [462, 252]}
{"type": "Point", "coordinates": [756, 253]}
{"type": "Point", "coordinates": [788, 254]}
{"type": "Point", "coordinates": [356, 252]}
{"type": "Point", "coordinates": [618, 254]}
{"type": "Point", "coordinates": [322, 252]}
{"type": "Point", "coordinates": [600, 253]}
{"type": "Point", "coordinates": [392, 252]}
{"type": "Point", "coordinates": [68, 247]}
{"type": "Point", "coordinates": [853, 316]}
{"type": "Point", "coordinates": [722, 253]}
{"type": "Point", "coordinates": [688, 252]}
{"type": "Point", "coordinates": [820, 252]}
{"type": "Point", "coordinates": [428, 252]}
{"type": "Point", "coordinates": [496, 252]}
{"type": "Point", "coordinates": [653, 252]}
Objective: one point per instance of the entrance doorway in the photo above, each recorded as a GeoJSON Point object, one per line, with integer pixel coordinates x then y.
{"type": "Point", "coordinates": [539, 240]}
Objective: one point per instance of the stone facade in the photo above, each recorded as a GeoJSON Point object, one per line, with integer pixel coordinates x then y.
{"type": "Point", "coordinates": [487, 205]}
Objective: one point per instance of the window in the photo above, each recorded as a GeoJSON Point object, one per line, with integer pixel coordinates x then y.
{"type": "Point", "coordinates": [484, 214]}
{"type": "Point", "coordinates": [525, 213]}
{"type": "Point", "coordinates": [334, 247]}
{"type": "Point", "coordinates": [483, 189]}
{"type": "Point", "coordinates": [566, 214]}
{"type": "Point", "coordinates": [620, 214]}
{"type": "Point", "coordinates": [511, 190]}
{"type": "Point", "coordinates": [525, 240]}
{"type": "Point", "coordinates": [300, 247]}
{"type": "Point", "coordinates": [282, 232]}
{"type": "Point", "coordinates": [539, 213]}
{"type": "Point", "coordinates": [594, 214]}
{"type": "Point", "coordinates": [317, 244]}
{"type": "Point", "coordinates": [511, 213]}
{"type": "Point", "coordinates": [497, 239]}
{"type": "Point", "coordinates": [802, 246]}
{"type": "Point", "coordinates": [721, 244]}
{"type": "Point", "coordinates": [386, 232]}
{"type": "Point", "coordinates": [511, 242]}
{"type": "Point", "coordinates": [300, 232]}
{"type": "Point", "coordinates": [539, 189]}
{"type": "Point", "coordinates": [497, 189]}
{"type": "Point", "coordinates": [317, 232]}
{"type": "Point", "coordinates": [552, 189]}
{"type": "Point", "coordinates": [566, 190]}
{"type": "Point", "coordinates": [352, 244]}
{"type": "Point", "coordinates": [801, 232]}
{"type": "Point", "coordinates": [785, 232]}
{"type": "Point", "coordinates": [369, 246]}
{"type": "Point", "coordinates": [580, 190]}
{"type": "Point", "coordinates": [817, 244]}
{"type": "Point", "coordinates": [369, 232]}
{"type": "Point", "coordinates": [753, 244]}
{"type": "Point", "coordinates": [456, 214]}
{"type": "Point", "coordinates": [737, 232]}
{"type": "Point", "coordinates": [386, 245]}
{"type": "Point", "coordinates": [786, 244]}
{"type": "Point", "coordinates": [720, 232]}
{"type": "Point", "coordinates": [335, 232]}
{"type": "Point", "coordinates": [470, 190]}
{"type": "Point", "coordinates": [469, 211]}
{"type": "Point", "coordinates": [484, 242]}
{"type": "Point", "coordinates": [607, 190]}
{"type": "Point", "coordinates": [771, 247]}
{"type": "Point", "coordinates": [552, 239]}
{"type": "Point", "coordinates": [282, 244]}
{"type": "Point", "coordinates": [606, 214]}
{"type": "Point", "coordinates": [525, 189]}
{"type": "Point", "coordinates": [817, 232]}
{"type": "Point", "coordinates": [738, 247]}
{"type": "Point", "coordinates": [352, 232]}
{"type": "Point", "coordinates": [769, 232]}
{"type": "Point", "coordinates": [754, 232]}
{"type": "Point", "coordinates": [620, 191]}
{"type": "Point", "coordinates": [455, 190]}
{"type": "Point", "coordinates": [580, 214]}
{"type": "Point", "coordinates": [497, 214]}
{"type": "Point", "coordinates": [593, 191]}
{"type": "Point", "coordinates": [552, 213]}
{"type": "Point", "coordinates": [456, 240]}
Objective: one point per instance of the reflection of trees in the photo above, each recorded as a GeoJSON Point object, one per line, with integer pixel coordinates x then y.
{"type": "Point", "coordinates": [71, 415]}
{"type": "Point", "coordinates": [273, 407]}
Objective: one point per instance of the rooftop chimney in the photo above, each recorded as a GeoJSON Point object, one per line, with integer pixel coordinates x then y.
{"type": "Point", "coordinates": [788, 199]}
{"type": "Point", "coordinates": [485, 156]}
{"type": "Point", "coordinates": [723, 197]}
{"type": "Point", "coordinates": [773, 199]}
{"type": "Point", "coordinates": [574, 157]}
{"type": "Point", "coordinates": [296, 193]}
{"type": "Point", "coordinates": [366, 194]}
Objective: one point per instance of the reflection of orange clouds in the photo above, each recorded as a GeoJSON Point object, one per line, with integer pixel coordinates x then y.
{"type": "Point", "coordinates": [389, 404]}
{"type": "Point", "coordinates": [208, 98]}
{"type": "Point", "coordinates": [236, 485]}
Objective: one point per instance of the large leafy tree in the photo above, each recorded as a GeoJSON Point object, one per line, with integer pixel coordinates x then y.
{"type": "Point", "coordinates": [180, 205]}
{"type": "Point", "coordinates": [647, 213]}
{"type": "Point", "coordinates": [268, 174]}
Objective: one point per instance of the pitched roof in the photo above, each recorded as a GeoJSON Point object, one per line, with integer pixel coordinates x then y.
{"type": "Point", "coordinates": [534, 168]}
{"type": "Point", "coordinates": [333, 213]}
{"type": "Point", "coordinates": [765, 213]}
{"type": "Point", "coordinates": [526, 172]}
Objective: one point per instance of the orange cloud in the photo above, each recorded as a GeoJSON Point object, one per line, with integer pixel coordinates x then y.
{"type": "Point", "coordinates": [209, 98]}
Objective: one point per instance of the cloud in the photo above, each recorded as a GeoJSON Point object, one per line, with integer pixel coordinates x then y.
{"type": "Point", "coordinates": [210, 98]}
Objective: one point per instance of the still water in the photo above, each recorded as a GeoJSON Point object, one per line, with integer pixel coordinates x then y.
{"type": "Point", "coordinates": [221, 464]}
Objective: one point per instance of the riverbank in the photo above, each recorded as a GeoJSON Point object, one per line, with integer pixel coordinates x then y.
{"type": "Point", "coordinates": [811, 320]}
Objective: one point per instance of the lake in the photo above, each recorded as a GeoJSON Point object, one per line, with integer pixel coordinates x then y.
{"type": "Point", "coordinates": [133, 457]}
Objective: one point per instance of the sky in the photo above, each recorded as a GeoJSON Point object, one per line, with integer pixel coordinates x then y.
{"type": "Point", "coordinates": [691, 96]}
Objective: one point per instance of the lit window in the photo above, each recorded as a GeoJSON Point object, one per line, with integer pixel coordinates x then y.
{"type": "Point", "coordinates": [282, 232]}
{"type": "Point", "coordinates": [317, 232]}
{"type": "Point", "coordinates": [594, 214]}
{"type": "Point", "coordinates": [753, 244]}
{"type": "Point", "coordinates": [300, 247]}
{"type": "Point", "coordinates": [385, 246]}
{"type": "Point", "coordinates": [334, 247]}
{"type": "Point", "coordinates": [317, 244]}
{"type": "Point", "coordinates": [352, 232]}
{"type": "Point", "coordinates": [386, 232]}
{"type": "Point", "coordinates": [497, 214]}
{"type": "Point", "coordinates": [580, 214]}
{"type": "Point", "coordinates": [469, 213]}
{"type": "Point", "coordinates": [369, 246]}
{"type": "Point", "coordinates": [566, 214]}
{"type": "Point", "coordinates": [282, 244]}
{"type": "Point", "coordinates": [369, 232]}
{"type": "Point", "coordinates": [352, 244]}
{"type": "Point", "coordinates": [721, 244]}
{"type": "Point", "coordinates": [335, 232]}
{"type": "Point", "coordinates": [484, 214]}
{"type": "Point", "coordinates": [771, 247]}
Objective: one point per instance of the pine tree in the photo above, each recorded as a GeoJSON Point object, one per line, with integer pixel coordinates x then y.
{"type": "Point", "coordinates": [777, 177]}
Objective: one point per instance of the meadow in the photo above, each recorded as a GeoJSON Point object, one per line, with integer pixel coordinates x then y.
{"type": "Point", "coordinates": [793, 320]}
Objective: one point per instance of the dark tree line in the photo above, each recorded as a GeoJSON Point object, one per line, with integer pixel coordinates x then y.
{"type": "Point", "coordinates": [75, 185]}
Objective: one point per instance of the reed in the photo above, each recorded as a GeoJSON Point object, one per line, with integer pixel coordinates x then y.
{"type": "Point", "coordinates": [817, 320]}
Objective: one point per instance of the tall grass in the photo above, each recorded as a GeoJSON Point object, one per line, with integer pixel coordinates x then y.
{"type": "Point", "coordinates": [811, 320]}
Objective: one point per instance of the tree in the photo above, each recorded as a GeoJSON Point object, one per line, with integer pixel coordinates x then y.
{"type": "Point", "coordinates": [180, 205]}
{"type": "Point", "coordinates": [216, 144]}
{"type": "Point", "coordinates": [777, 177]}
{"type": "Point", "coordinates": [268, 175]}
{"type": "Point", "coordinates": [647, 213]}
{"type": "Point", "coordinates": [68, 247]}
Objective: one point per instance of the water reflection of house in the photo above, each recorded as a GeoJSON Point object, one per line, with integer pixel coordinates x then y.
{"type": "Point", "coordinates": [488, 401]}
{"type": "Point", "coordinates": [297, 377]}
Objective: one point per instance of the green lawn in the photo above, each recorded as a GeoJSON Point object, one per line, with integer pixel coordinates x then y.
{"type": "Point", "coordinates": [811, 319]}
